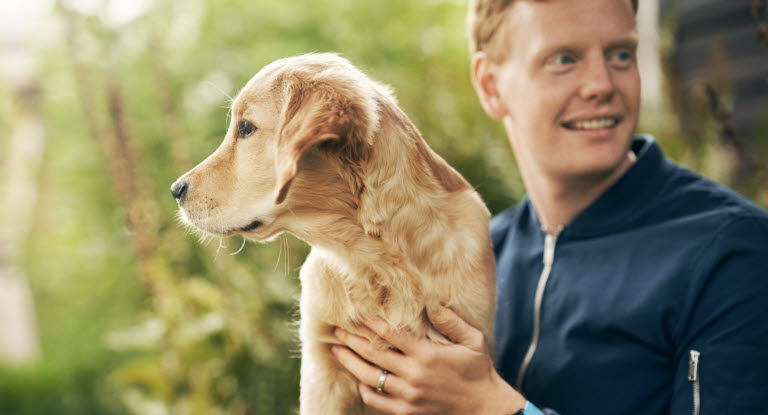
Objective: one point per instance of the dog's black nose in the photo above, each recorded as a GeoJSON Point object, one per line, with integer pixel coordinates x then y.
{"type": "Point", "coordinates": [179, 190]}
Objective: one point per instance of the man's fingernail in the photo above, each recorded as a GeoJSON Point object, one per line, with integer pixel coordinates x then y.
{"type": "Point", "coordinates": [339, 333]}
{"type": "Point", "coordinates": [436, 313]}
{"type": "Point", "coordinates": [442, 315]}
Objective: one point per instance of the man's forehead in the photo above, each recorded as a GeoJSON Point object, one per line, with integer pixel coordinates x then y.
{"type": "Point", "coordinates": [541, 24]}
{"type": "Point", "coordinates": [515, 3]}
{"type": "Point", "coordinates": [530, 12]}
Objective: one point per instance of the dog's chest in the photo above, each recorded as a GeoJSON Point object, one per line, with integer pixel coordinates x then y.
{"type": "Point", "coordinates": [339, 294]}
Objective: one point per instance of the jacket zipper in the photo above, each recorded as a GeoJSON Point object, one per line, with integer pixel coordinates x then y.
{"type": "Point", "coordinates": [550, 241]}
{"type": "Point", "coordinates": [693, 376]}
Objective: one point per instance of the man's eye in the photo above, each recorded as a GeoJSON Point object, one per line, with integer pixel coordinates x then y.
{"type": "Point", "coordinates": [622, 58]}
{"type": "Point", "coordinates": [244, 129]}
{"type": "Point", "coordinates": [563, 59]}
{"type": "Point", "coordinates": [561, 62]}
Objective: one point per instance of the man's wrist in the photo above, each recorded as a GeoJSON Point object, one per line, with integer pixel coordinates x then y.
{"type": "Point", "coordinates": [511, 402]}
{"type": "Point", "coordinates": [529, 409]}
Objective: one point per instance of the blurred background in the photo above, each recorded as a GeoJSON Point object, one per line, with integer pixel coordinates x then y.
{"type": "Point", "coordinates": [107, 304]}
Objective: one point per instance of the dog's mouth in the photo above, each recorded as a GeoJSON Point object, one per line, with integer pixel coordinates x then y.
{"type": "Point", "coordinates": [247, 228]}
{"type": "Point", "coordinates": [251, 226]}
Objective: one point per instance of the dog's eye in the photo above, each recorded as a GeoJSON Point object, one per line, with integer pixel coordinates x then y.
{"type": "Point", "coordinates": [244, 129]}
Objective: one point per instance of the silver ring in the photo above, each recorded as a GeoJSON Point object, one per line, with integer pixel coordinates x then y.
{"type": "Point", "coordinates": [382, 379]}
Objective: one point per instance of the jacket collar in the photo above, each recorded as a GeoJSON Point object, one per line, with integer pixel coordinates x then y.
{"type": "Point", "coordinates": [626, 200]}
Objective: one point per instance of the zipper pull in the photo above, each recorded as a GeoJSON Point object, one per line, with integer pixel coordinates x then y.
{"type": "Point", "coordinates": [693, 366]}
{"type": "Point", "coordinates": [549, 249]}
{"type": "Point", "coordinates": [550, 241]}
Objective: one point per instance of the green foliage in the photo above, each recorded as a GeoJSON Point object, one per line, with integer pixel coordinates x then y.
{"type": "Point", "coordinates": [49, 390]}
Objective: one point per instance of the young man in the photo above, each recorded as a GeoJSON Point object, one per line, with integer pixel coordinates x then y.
{"type": "Point", "coordinates": [626, 284]}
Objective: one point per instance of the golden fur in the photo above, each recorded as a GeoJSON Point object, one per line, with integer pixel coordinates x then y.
{"type": "Point", "coordinates": [394, 230]}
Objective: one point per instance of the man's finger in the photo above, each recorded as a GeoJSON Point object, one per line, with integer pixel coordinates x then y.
{"type": "Point", "coordinates": [383, 403]}
{"type": "Point", "coordinates": [367, 373]}
{"type": "Point", "coordinates": [384, 358]}
{"type": "Point", "coordinates": [452, 326]}
{"type": "Point", "coordinates": [403, 340]}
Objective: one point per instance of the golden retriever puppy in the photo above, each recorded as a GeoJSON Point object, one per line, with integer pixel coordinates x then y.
{"type": "Point", "coordinates": [318, 149]}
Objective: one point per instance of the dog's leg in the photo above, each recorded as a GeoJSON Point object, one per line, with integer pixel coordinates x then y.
{"type": "Point", "coordinates": [326, 388]}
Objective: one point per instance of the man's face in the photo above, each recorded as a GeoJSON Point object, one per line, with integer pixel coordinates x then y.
{"type": "Point", "coordinates": [569, 89]}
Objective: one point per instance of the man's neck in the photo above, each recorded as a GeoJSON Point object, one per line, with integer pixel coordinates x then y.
{"type": "Point", "coordinates": [558, 201]}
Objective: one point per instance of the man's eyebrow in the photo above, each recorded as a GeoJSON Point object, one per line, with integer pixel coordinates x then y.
{"type": "Point", "coordinates": [627, 42]}
{"type": "Point", "coordinates": [630, 41]}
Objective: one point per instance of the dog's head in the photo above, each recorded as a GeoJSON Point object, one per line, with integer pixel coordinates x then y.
{"type": "Point", "coordinates": [296, 128]}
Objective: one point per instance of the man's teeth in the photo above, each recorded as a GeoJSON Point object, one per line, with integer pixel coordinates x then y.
{"type": "Point", "coordinates": [593, 124]}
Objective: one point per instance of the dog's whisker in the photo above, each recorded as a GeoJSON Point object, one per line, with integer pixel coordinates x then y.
{"type": "Point", "coordinates": [215, 216]}
{"type": "Point", "coordinates": [287, 257]}
{"type": "Point", "coordinates": [241, 246]}
{"type": "Point", "coordinates": [222, 244]}
{"type": "Point", "coordinates": [220, 90]}
{"type": "Point", "coordinates": [203, 237]}
{"type": "Point", "coordinates": [179, 217]}
{"type": "Point", "coordinates": [284, 245]}
{"type": "Point", "coordinates": [279, 254]}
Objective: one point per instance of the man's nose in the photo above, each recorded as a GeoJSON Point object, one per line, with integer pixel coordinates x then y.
{"type": "Point", "coordinates": [598, 83]}
{"type": "Point", "coordinates": [179, 190]}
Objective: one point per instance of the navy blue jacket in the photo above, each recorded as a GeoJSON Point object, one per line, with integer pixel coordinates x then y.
{"type": "Point", "coordinates": [656, 301]}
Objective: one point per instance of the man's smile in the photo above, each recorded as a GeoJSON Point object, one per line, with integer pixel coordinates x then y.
{"type": "Point", "coordinates": [593, 123]}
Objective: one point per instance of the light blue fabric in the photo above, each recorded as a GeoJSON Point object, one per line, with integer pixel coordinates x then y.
{"type": "Point", "coordinates": [531, 409]}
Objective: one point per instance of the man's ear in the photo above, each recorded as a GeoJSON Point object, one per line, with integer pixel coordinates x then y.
{"type": "Point", "coordinates": [485, 80]}
{"type": "Point", "coordinates": [314, 113]}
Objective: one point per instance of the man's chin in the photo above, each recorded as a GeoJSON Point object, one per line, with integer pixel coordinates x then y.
{"type": "Point", "coordinates": [597, 169]}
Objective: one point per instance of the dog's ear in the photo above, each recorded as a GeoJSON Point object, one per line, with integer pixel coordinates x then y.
{"type": "Point", "coordinates": [314, 113]}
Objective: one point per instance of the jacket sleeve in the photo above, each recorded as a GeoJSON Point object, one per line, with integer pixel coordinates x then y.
{"type": "Point", "coordinates": [722, 359]}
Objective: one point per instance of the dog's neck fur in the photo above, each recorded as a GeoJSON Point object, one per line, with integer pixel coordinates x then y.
{"type": "Point", "coordinates": [370, 212]}
{"type": "Point", "coordinates": [380, 227]}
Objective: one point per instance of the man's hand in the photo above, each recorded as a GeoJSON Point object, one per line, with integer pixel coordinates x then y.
{"type": "Point", "coordinates": [426, 377]}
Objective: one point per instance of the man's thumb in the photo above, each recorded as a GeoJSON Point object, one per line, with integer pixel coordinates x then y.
{"type": "Point", "coordinates": [453, 327]}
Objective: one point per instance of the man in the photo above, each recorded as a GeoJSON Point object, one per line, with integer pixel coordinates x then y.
{"type": "Point", "coordinates": [626, 284]}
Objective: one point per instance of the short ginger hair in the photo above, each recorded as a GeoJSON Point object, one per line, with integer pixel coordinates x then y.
{"type": "Point", "coordinates": [485, 19]}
